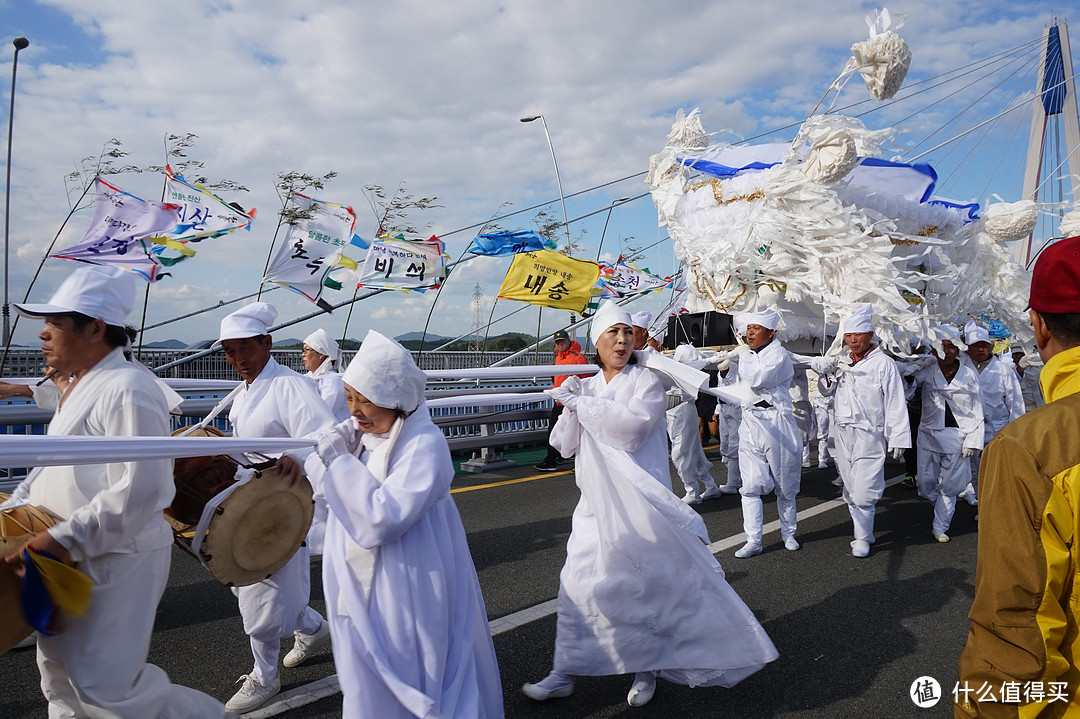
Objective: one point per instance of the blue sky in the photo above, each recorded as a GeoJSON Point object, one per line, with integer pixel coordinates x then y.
{"type": "Point", "coordinates": [431, 95]}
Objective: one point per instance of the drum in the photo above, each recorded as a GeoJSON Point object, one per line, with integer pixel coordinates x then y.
{"type": "Point", "coordinates": [247, 526]}
{"type": "Point", "coordinates": [12, 628]}
{"type": "Point", "coordinates": [19, 524]}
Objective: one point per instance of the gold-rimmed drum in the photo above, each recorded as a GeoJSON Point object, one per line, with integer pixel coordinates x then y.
{"type": "Point", "coordinates": [17, 526]}
{"type": "Point", "coordinates": [242, 531]}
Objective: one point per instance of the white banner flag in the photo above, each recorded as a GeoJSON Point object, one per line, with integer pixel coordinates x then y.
{"type": "Point", "coordinates": [621, 280]}
{"type": "Point", "coordinates": [202, 215]}
{"type": "Point", "coordinates": [404, 264]}
{"type": "Point", "coordinates": [312, 246]}
{"type": "Point", "coordinates": [118, 233]}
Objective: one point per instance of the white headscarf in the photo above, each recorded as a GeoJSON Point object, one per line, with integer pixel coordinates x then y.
{"type": "Point", "coordinates": [385, 373]}
{"type": "Point", "coordinates": [975, 333]}
{"type": "Point", "coordinates": [609, 314]}
{"type": "Point", "coordinates": [321, 342]}
{"type": "Point", "coordinates": [767, 319]}
{"type": "Point", "coordinates": [860, 320]}
{"type": "Point", "coordinates": [248, 321]}
{"type": "Point", "coordinates": [641, 319]}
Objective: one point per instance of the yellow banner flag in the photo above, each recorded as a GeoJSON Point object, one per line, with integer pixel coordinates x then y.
{"type": "Point", "coordinates": [550, 279]}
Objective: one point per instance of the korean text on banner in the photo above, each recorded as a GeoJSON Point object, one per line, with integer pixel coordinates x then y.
{"type": "Point", "coordinates": [312, 246]}
{"type": "Point", "coordinates": [550, 279]}
{"type": "Point", "coordinates": [396, 264]}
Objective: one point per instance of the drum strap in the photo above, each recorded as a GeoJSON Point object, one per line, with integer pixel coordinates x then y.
{"type": "Point", "coordinates": [218, 409]}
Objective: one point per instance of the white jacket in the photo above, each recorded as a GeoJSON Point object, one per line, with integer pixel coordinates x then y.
{"type": "Point", "coordinates": [870, 395]}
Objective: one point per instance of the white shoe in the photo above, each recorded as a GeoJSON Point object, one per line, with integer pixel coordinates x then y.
{"type": "Point", "coordinates": [553, 686]}
{"type": "Point", "coordinates": [711, 492]}
{"type": "Point", "coordinates": [251, 695]}
{"type": "Point", "coordinates": [642, 690]}
{"type": "Point", "coordinates": [860, 548]}
{"type": "Point", "coordinates": [305, 645]}
{"type": "Point", "coordinates": [748, 550]}
{"type": "Point", "coordinates": [728, 489]}
{"type": "Point", "coordinates": [943, 538]}
{"type": "Point", "coordinates": [691, 498]}
{"type": "Point", "coordinates": [791, 544]}
{"type": "Point", "coordinates": [822, 465]}
{"type": "Point", "coordinates": [30, 641]}
{"type": "Point", "coordinates": [806, 464]}
{"type": "Point", "coordinates": [838, 482]}
{"type": "Point", "coordinates": [971, 499]}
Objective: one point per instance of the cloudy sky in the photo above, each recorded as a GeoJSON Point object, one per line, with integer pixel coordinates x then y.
{"type": "Point", "coordinates": [429, 94]}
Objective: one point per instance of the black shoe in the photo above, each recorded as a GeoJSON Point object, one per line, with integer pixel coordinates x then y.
{"type": "Point", "coordinates": [546, 466]}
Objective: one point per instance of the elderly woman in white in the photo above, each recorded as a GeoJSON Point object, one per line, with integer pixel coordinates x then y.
{"type": "Point", "coordinates": [633, 541]}
{"type": "Point", "coordinates": [409, 628]}
{"type": "Point", "coordinates": [322, 359]}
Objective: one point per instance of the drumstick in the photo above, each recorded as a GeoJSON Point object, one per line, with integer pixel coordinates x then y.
{"type": "Point", "coordinates": [46, 378]}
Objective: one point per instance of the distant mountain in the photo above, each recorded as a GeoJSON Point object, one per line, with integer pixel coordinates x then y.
{"type": "Point", "coordinates": [290, 343]}
{"type": "Point", "coordinates": [411, 336]}
{"type": "Point", "coordinates": [166, 345]}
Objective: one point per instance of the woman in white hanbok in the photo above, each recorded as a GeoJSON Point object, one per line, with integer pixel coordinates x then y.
{"type": "Point", "coordinates": [409, 628]}
{"type": "Point", "coordinates": [633, 541]}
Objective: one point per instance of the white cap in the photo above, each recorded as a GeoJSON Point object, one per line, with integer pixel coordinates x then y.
{"type": "Point", "coordinates": [385, 373]}
{"type": "Point", "coordinates": [975, 333]}
{"type": "Point", "coordinates": [767, 319]}
{"type": "Point", "coordinates": [609, 314]}
{"type": "Point", "coordinates": [641, 319]}
{"type": "Point", "coordinates": [860, 320]}
{"type": "Point", "coordinates": [949, 332]}
{"type": "Point", "coordinates": [321, 342]}
{"type": "Point", "coordinates": [248, 321]}
{"type": "Point", "coordinates": [102, 292]}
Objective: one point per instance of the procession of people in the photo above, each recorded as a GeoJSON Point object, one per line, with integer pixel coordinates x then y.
{"type": "Point", "coordinates": [406, 619]}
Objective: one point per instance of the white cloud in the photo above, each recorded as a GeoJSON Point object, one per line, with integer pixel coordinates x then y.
{"type": "Point", "coordinates": [429, 94]}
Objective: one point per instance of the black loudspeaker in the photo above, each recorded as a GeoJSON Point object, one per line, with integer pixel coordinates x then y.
{"type": "Point", "coordinates": [703, 329]}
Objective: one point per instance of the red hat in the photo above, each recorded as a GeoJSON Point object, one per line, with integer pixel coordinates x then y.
{"type": "Point", "coordinates": [1055, 281]}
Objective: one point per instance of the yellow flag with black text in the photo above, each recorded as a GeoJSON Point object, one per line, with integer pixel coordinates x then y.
{"type": "Point", "coordinates": [550, 279]}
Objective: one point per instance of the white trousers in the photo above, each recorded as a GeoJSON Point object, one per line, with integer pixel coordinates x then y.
{"type": "Point", "coordinates": [941, 478]}
{"type": "Point", "coordinates": [860, 460]}
{"type": "Point", "coordinates": [687, 454]}
{"type": "Point", "coordinates": [275, 608]}
{"type": "Point", "coordinates": [753, 513]}
{"type": "Point", "coordinates": [822, 416]}
{"type": "Point", "coordinates": [729, 419]}
{"type": "Point", "coordinates": [97, 667]}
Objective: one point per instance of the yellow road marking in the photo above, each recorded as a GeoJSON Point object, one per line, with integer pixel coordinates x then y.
{"type": "Point", "coordinates": [512, 481]}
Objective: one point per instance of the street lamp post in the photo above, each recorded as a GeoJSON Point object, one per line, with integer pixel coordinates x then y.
{"type": "Point", "coordinates": [558, 180]}
{"type": "Point", "coordinates": [20, 43]}
{"type": "Point", "coordinates": [599, 247]}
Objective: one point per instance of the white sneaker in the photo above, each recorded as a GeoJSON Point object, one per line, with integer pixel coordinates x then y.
{"type": "Point", "coordinates": [942, 538]}
{"type": "Point", "coordinates": [860, 548]}
{"type": "Point", "coordinates": [971, 499]}
{"type": "Point", "coordinates": [691, 497]}
{"type": "Point", "coordinates": [838, 482]}
{"type": "Point", "coordinates": [553, 686]}
{"type": "Point", "coordinates": [822, 465]}
{"type": "Point", "coordinates": [642, 690]}
{"type": "Point", "coordinates": [791, 544]}
{"type": "Point", "coordinates": [728, 489]}
{"type": "Point", "coordinates": [305, 645]}
{"type": "Point", "coordinates": [252, 695]}
{"type": "Point", "coordinates": [711, 492]}
{"type": "Point", "coordinates": [748, 550]}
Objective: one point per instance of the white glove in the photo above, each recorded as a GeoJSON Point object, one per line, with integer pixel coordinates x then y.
{"type": "Point", "coordinates": [723, 365]}
{"type": "Point", "coordinates": [341, 438]}
{"type": "Point", "coordinates": [563, 396]}
{"type": "Point", "coordinates": [741, 349]}
{"type": "Point", "coordinates": [967, 452]}
{"type": "Point", "coordinates": [823, 365]}
{"type": "Point", "coordinates": [572, 384]}
{"type": "Point", "coordinates": [897, 453]}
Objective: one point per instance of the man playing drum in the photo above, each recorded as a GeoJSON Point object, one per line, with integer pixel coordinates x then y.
{"type": "Point", "coordinates": [112, 526]}
{"type": "Point", "coordinates": [275, 401]}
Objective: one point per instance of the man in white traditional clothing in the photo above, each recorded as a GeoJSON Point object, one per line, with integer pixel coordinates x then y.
{"type": "Point", "coordinates": [640, 592]}
{"type": "Point", "coordinates": [950, 429]}
{"type": "Point", "coordinates": [869, 419]}
{"type": "Point", "coordinates": [411, 636]}
{"type": "Point", "coordinates": [687, 454]}
{"type": "Point", "coordinates": [112, 527]}
{"type": "Point", "coordinates": [1002, 396]}
{"type": "Point", "coordinates": [770, 448]}
{"type": "Point", "coordinates": [322, 360]}
{"type": "Point", "coordinates": [274, 401]}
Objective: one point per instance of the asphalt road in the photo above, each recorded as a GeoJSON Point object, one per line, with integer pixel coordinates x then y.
{"type": "Point", "coordinates": [853, 634]}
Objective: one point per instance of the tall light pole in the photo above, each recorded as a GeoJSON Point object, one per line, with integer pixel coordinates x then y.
{"type": "Point", "coordinates": [617, 200]}
{"type": "Point", "coordinates": [558, 180]}
{"type": "Point", "coordinates": [20, 43]}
